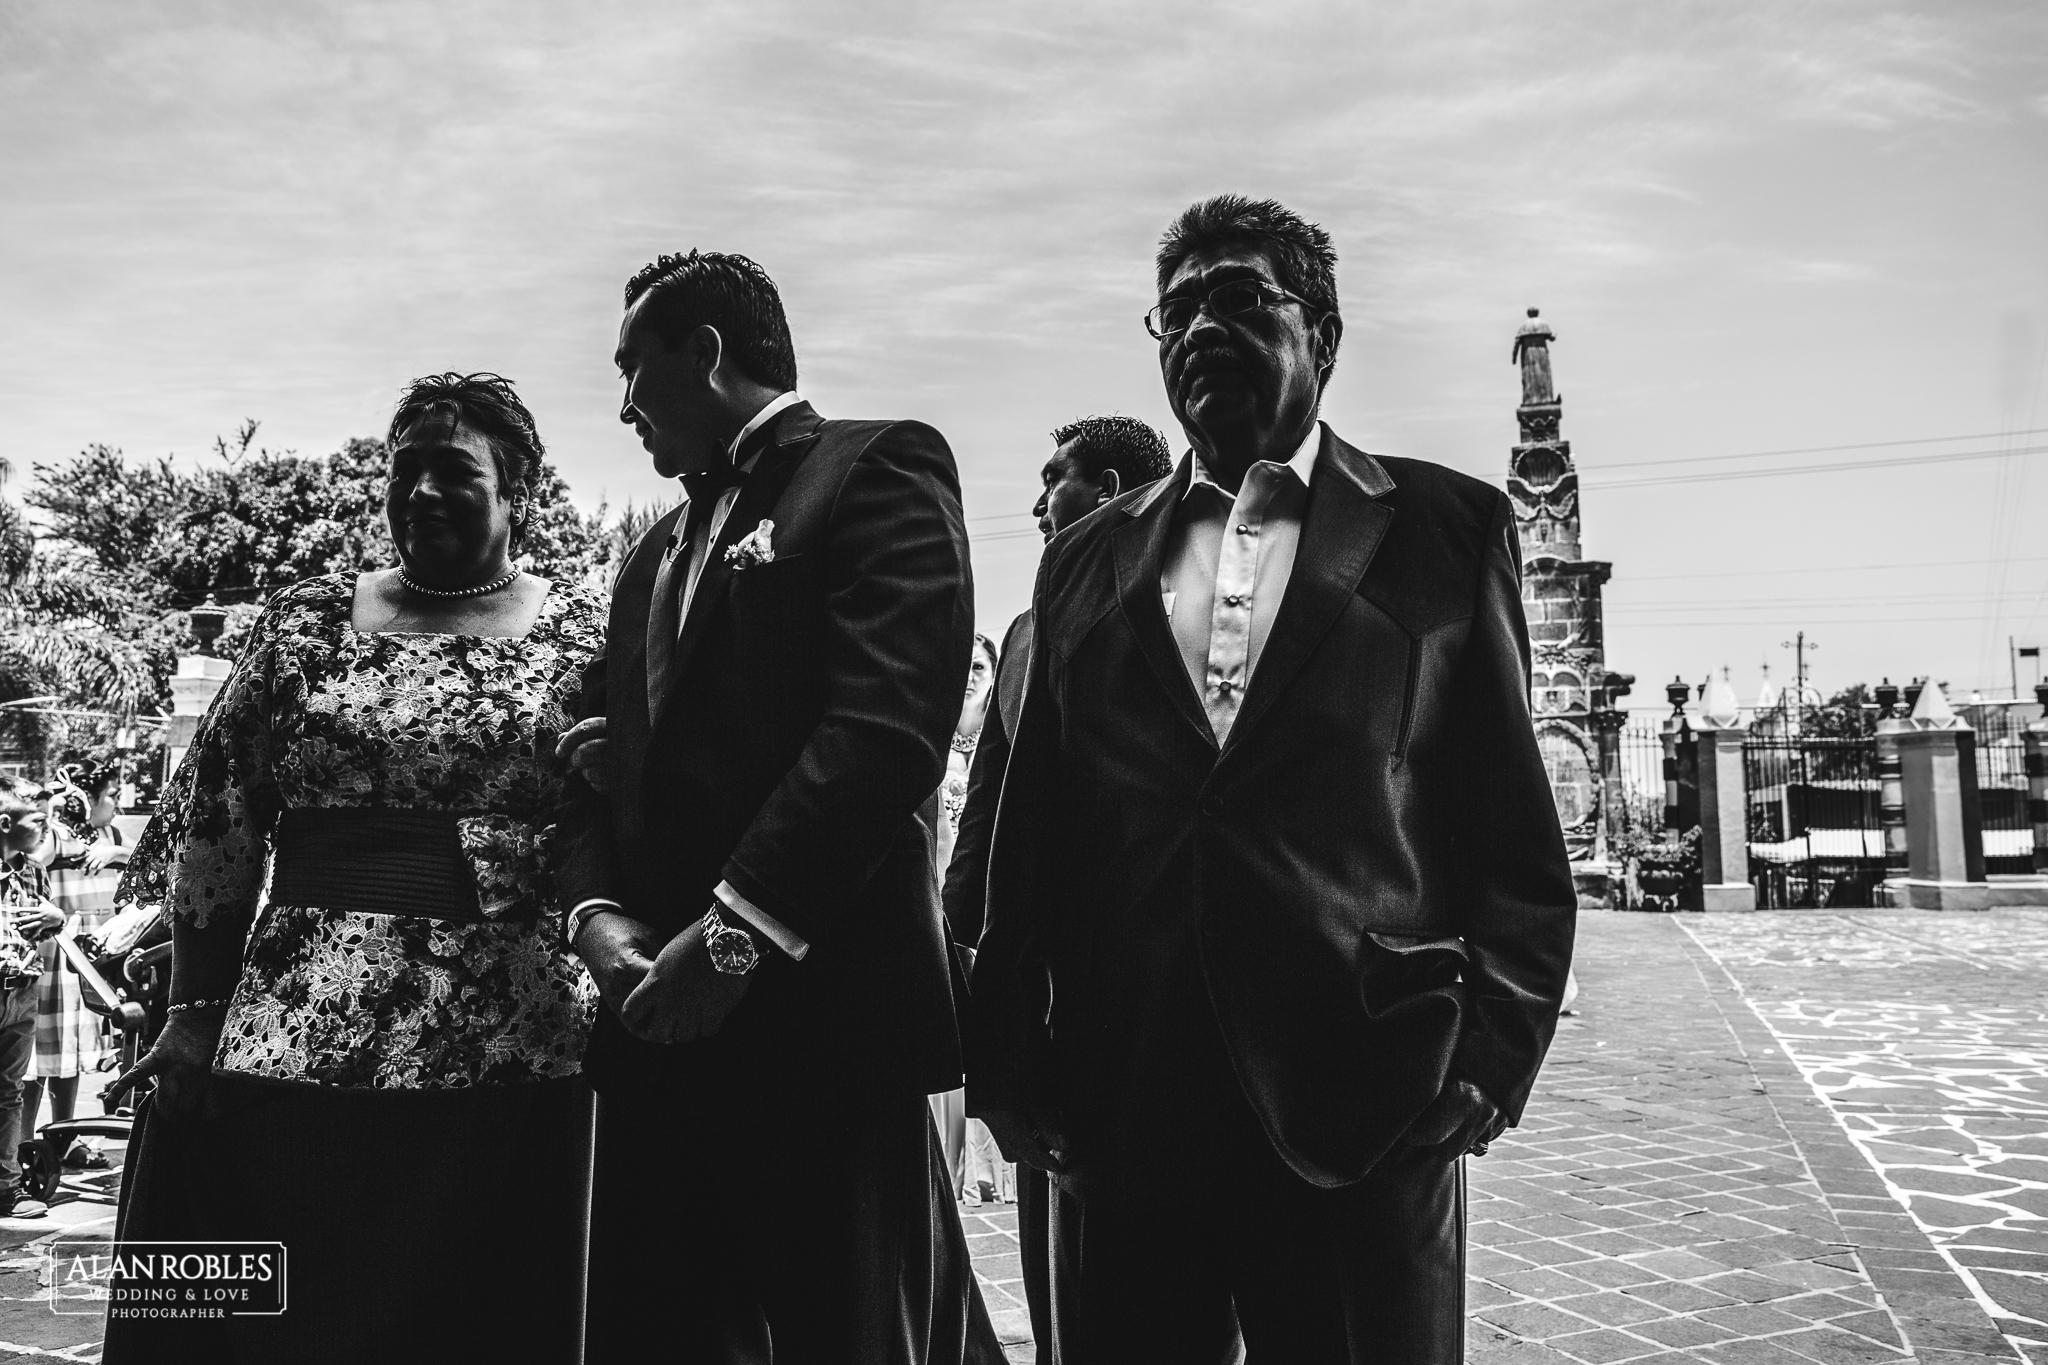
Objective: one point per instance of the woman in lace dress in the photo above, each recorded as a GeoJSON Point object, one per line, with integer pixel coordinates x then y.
{"type": "Point", "coordinates": [376, 1062]}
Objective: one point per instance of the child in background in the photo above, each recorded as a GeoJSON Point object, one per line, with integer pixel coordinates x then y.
{"type": "Point", "coordinates": [27, 916]}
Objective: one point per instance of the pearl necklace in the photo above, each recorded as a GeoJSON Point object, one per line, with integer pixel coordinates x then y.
{"type": "Point", "coordinates": [481, 590]}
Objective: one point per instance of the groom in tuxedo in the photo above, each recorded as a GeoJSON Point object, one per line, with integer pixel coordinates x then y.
{"type": "Point", "coordinates": [748, 858]}
{"type": "Point", "coordinates": [1278, 911]}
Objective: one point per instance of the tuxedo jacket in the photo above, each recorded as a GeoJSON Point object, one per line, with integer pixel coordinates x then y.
{"type": "Point", "coordinates": [1369, 871]}
{"type": "Point", "coordinates": [811, 705]}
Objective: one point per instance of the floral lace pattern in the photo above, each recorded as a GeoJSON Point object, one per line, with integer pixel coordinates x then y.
{"type": "Point", "coordinates": [315, 714]}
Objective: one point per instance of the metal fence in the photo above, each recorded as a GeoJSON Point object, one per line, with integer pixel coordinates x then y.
{"type": "Point", "coordinates": [1642, 774]}
{"type": "Point", "coordinates": [1815, 836]}
{"type": "Point", "coordinates": [2002, 789]}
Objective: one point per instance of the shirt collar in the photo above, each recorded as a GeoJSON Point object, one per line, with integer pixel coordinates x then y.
{"type": "Point", "coordinates": [759, 420]}
{"type": "Point", "coordinates": [1302, 462]}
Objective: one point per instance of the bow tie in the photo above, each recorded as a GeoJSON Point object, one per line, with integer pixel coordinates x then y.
{"type": "Point", "coordinates": [706, 484]}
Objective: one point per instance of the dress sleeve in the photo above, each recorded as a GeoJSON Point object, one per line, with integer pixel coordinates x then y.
{"type": "Point", "coordinates": [574, 828]}
{"type": "Point", "coordinates": [202, 857]}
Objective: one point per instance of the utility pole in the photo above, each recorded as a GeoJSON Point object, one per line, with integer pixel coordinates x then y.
{"type": "Point", "coordinates": [2012, 657]}
{"type": "Point", "coordinates": [1799, 646]}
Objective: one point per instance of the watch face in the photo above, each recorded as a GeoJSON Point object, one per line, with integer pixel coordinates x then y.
{"type": "Point", "coordinates": [732, 951]}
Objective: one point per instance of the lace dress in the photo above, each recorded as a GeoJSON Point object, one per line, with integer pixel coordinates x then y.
{"type": "Point", "coordinates": [395, 1097]}
{"type": "Point", "coordinates": [317, 714]}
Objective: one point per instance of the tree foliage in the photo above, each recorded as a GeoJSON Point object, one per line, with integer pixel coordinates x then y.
{"type": "Point", "coordinates": [94, 598]}
{"type": "Point", "coordinates": [253, 523]}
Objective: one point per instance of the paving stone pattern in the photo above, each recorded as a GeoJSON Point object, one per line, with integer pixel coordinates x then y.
{"type": "Point", "coordinates": [29, 1330]}
{"type": "Point", "coordinates": [1679, 1192]}
{"type": "Point", "coordinates": [1927, 1036]}
{"type": "Point", "coordinates": [992, 1240]}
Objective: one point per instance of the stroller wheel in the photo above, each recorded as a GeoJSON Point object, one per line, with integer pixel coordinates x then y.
{"type": "Point", "coordinates": [41, 1170]}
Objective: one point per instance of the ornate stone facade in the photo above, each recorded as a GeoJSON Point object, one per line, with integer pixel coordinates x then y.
{"type": "Point", "coordinates": [1560, 593]}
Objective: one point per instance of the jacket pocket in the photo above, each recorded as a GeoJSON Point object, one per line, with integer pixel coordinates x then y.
{"type": "Point", "coordinates": [1396, 968]}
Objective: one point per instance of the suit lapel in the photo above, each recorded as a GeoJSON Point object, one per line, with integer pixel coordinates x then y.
{"type": "Point", "coordinates": [1346, 520]}
{"type": "Point", "coordinates": [795, 428]}
{"type": "Point", "coordinates": [634, 595]}
{"type": "Point", "coordinates": [663, 606]}
{"type": "Point", "coordinates": [1139, 546]}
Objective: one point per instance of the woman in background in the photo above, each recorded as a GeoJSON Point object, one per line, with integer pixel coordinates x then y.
{"type": "Point", "coordinates": [949, 1110]}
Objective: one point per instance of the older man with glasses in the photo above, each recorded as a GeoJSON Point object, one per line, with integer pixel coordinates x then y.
{"type": "Point", "coordinates": [1275, 867]}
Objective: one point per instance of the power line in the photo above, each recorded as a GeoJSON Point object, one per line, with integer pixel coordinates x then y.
{"type": "Point", "coordinates": [1800, 621]}
{"type": "Point", "coordinates": [1830, 450]}
{"type": "Point", "coordinates": [1835, 467]}
{"type": "Point", "coordinates": [1827, 568]}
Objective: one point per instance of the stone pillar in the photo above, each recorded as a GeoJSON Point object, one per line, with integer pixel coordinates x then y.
{"type": "Point", "coordinates": [1724, 818]}
{"type": "Point", "coordinates": [1607, 726]}
{"type": "Point", "coordinates": [193, 688]}
{"type": "Point", "coordinates": [1939, 875]}
{"type": "Point", "coordinates": [1676, 692]}
{"type": "Point", "coordinates": [2037, 780]}
{"type": "Point", "coordinates": [198, 680]}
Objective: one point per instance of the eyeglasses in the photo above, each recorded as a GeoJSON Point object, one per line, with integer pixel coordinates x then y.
{"type": "Point", "coordinates": [1174, 316]}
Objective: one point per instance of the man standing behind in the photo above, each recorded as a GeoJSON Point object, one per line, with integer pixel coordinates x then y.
{"type": "Point", "coordinates": [1092, 461]}
{"type": "Point", "coordinates": [1276, 869]}
{"type": "Point", "coordinates": [753, 892]}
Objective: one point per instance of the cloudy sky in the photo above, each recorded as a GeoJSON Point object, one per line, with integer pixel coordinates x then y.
{"type": "Point", "coordinates": [1755, 227]}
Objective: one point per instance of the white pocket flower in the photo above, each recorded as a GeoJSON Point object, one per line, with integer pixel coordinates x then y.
{"type": "Point", "coordinates": [755, 547]}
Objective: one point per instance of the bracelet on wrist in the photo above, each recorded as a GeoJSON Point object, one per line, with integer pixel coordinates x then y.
{"type": "Point", "coordinates": [195, 1005]}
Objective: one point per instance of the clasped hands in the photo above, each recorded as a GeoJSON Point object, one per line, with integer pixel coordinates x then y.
{"type": "Point", "coordinates": [662, 992]}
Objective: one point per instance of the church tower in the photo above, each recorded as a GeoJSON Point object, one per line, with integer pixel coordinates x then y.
{"type": "Point", "coordinates": [1560, 595]}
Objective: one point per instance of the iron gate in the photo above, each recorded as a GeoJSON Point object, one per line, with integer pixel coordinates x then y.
{"type": "Point", "coordinates": [1815, 838]}
{"type": "Point", "coordinates": [2002, 790]}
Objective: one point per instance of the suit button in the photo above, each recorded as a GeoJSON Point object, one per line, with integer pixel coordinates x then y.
{"type": "Point", "coordinates": [1212, 805]}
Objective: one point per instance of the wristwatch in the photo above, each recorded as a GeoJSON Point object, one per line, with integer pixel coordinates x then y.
{"type": "Point", "coordinates": [733, 951]}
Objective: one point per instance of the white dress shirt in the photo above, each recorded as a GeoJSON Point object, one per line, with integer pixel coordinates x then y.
{"type": "Point", "coordinates": [700, 544]}
{"type": "Point", "coordinates": [1226, 568]}
{"type": "Point", "coordinates": [707, 533]}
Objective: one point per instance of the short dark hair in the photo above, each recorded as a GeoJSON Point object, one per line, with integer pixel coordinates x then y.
{"type": "Point", "coordinates": [1301, 252]}
{"type": "Point", "coordinates": [730, 293]}
{"type": "Point", "coordinates": [19, 791]}
{"type": "Point", "coordinates": [490, 404]}
{"type": "Point", "coordinates": [1134, 449]}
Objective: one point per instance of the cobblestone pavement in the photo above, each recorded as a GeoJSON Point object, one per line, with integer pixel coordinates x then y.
{"type": "Point", "coordinates": [29, 1330]}
{"type": "Point", "coordinates": [992, 1240]}
{"type": "Point", "coordinates": [1927, 1036]}
{"type": "Point", "coordinates": [1680, 1190]}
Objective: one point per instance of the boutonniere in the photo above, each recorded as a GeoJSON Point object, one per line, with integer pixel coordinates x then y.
{"type": "Point", "coordinates": [755, 547]}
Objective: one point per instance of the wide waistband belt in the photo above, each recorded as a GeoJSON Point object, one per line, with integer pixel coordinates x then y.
{"type": "Point", "coordinates": [375, 862]}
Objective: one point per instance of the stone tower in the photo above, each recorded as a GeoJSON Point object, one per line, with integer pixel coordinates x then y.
{"type": "Point", "coordinates": [1560, 594]}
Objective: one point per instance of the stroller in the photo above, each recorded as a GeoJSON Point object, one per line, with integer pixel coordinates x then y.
{"type": "Point", "coordinates": [130, 988]}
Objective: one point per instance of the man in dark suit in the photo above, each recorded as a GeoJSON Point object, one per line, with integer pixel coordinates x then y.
{"type": "Point", "coordinates": [1279, 912]}
{"type": "Point", "coordinates": [1093, 460]}
{"type": "Point", "coordinates": [752, 890]}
